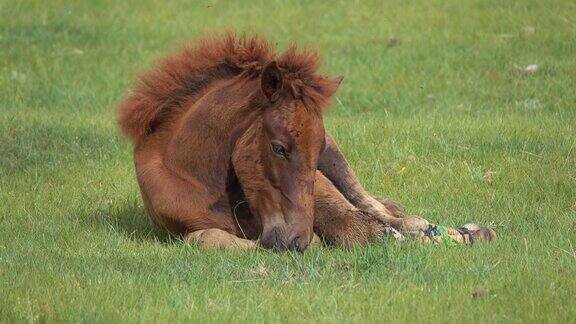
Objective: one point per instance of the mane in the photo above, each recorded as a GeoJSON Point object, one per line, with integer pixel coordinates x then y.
{"type": "Point", "coordinates": [159, 93]}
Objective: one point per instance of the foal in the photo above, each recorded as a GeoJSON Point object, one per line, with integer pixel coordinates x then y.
{"type": "Point", "coordinates": [230, 147]}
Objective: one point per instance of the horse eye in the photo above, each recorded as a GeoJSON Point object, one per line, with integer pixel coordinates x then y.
{"type": "Point", "coordinates": [278, 149]}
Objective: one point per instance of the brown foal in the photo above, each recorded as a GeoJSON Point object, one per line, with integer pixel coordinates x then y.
{"type": "Point", "coordinates": [229, 143]}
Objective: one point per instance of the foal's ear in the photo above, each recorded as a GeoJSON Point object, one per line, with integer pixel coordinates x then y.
{"type": "Point", "coordinates": [272, 81]}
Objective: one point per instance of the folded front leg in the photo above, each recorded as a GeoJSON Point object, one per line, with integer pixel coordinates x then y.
{"type": "Point", "coordinates": [334, 166]}
{"type": "Point", "coordinates": [214, 238]}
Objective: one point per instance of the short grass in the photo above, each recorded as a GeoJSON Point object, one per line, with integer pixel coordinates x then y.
{"type": "Point", "coordinates": [446, 122]}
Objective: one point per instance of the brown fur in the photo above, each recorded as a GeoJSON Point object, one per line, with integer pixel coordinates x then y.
{"type": "Point", "coordinates": [208, 123]}
{"type": "Point", "coordinates": [178, 77]}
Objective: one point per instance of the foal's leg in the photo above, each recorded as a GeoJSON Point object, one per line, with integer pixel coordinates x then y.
{"type": "Point", "coordinates": [186, 209]}
{"type": "Point", "coordinates": [338, 221]}
{"type": "Point", "coordinates": [215, 238]}
{"type": "Point", "coordinates": [335, 167]}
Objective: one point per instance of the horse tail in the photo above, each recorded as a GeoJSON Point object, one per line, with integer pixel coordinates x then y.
{"type": "Point", "coordinates": [159, 93]}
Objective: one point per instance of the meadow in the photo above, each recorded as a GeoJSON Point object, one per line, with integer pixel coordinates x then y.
{"type": "Point", "coordinates": [463, 111]}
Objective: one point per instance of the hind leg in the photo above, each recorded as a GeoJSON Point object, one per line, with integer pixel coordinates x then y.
{"type": "Point", "coordinates": [427, 232]}
{"type": "Point", "coordinates": [339, 222]}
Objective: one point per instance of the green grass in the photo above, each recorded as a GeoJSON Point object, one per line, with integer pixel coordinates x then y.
{"type": "Point", "coordinates": [421, 122]}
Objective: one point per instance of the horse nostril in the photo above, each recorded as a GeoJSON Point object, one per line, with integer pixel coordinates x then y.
{"type": "Point", "coordinates": [276, 239]}
{"type": "Point", "coordinates": [273, 240]}
{"type": "Point", "coordinates": [297, 244]}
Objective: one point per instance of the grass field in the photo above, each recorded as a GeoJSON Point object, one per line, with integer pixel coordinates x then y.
{"type": "Point", "coordinates": [447, 121]}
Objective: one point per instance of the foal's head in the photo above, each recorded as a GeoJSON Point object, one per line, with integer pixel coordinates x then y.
{"type": "Point", "coordinates": [291, 140]}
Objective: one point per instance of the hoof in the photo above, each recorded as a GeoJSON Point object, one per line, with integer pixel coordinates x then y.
{"type": "Point", "coordinates": [478, 233]}
{"type": "Point", "coordinates": [414, 226]}
{"type": "Point", "coordinates": [467, 234]}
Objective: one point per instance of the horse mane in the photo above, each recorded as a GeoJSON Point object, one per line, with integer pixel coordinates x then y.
{"type": "Point", "coordinates": [160, 92]}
